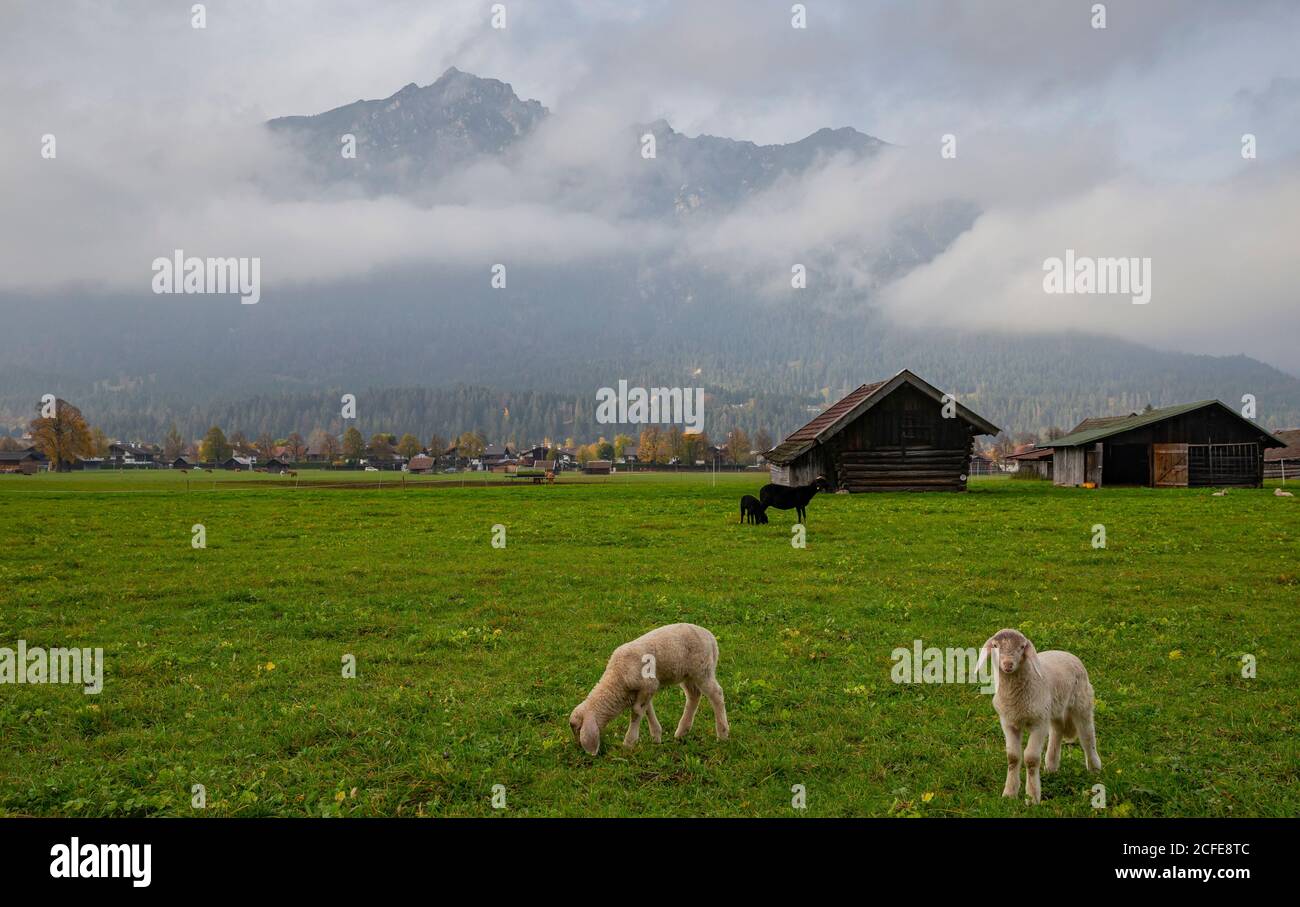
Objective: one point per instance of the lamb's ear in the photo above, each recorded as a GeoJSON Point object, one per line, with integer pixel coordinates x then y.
{"type": "Point", "coordinates": [989, 646]}
{"type": "Point", "coordinates": [590, 735]}
{"type": "Point", "coordinates": [1033, 657]}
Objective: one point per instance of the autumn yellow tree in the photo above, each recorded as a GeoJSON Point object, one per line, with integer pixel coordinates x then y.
{"type": "Point", "coordinates": [470, 445]}
{"type": "Point", "coordinates": [738, 446]}
{"type": "Point", "coordinates": [297, 447]}
{"type": "Point", "coordinates": [409, 446]}
{"type": "Point", "coordinates": [215, 448]}
{"type": "Point", "coordinates": [173, 444]}
{"type": "Point", "coordinates": [61, 433]}
{"type": "Point", "coordinates": [98, 443]}
{"type": "Point", "coordinates": [354, 445]}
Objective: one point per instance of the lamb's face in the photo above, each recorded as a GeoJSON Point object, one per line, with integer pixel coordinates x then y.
{"type": "Point", "coordinates": [1011, 646]}
{"type": "Point", "coordinates": [585, 730]}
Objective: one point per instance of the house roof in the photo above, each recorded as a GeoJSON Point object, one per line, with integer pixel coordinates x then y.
{"type": "Point", "coordinates": [421, 461]}
{"type": "Point", "coordinates": [853, 405]}
{"type": "Point", "coordinates": [1292, 450]}
{"type": "Point", "coordinates": [1090, 431]}
{"type": "Point", "coordinates": [1035, 453]}
{"type": "Point", "coordinates": [17, 456]}
{"type": "Point", "coordinates": [131, 449]}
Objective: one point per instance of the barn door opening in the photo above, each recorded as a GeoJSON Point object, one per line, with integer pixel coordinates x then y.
{"type": "Point", "coordinates": [1169, 465]}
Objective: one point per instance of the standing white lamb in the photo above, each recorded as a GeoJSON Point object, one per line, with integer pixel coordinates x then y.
{"type": "Point", "coordinates": [1049, 696]}
{"type": "Point", "coordinates": [678, 653]}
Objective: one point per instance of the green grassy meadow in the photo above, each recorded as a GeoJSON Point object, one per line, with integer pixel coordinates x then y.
{"type": "Point", "coordinates": [223, 665]}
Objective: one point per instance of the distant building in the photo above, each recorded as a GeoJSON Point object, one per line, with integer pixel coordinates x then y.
{"type": "Point", "coordinates": [496, 454]}
{"type": "Point", "coordinates": [534, 456]}
{"type": "Point", "coordinates": [598, 467]}
{"type": "Point", "coordinates": [238, 464]}
{"type": "Point", "coordinates": [1194, 444]}
{"type": "Point", "coordinates": [1034, 462]}
{"type": "Point", "coordinates": [28, 462]}
{"type": "Point", "coordinates": [420, 463]}
{"type": "Point", "coordinates": [130, 456]}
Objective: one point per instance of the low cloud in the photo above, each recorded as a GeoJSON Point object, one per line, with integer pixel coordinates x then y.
{"type": "Point", "coordinates": [1122, 142]}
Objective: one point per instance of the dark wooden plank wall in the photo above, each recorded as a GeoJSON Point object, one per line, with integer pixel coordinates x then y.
{"type": "Point", "coordinates": [903, 443]}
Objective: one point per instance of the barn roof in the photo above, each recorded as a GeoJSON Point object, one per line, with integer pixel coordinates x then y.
{"type": "Point", "coordinates": [1291, 436]}
{"type": "Point", "coordinates": [843, 411]}
{"type": "Point", "coordinates": [1090, 431]}
{"type": "Point", "coordinates": [1098, 422]}
{"type": "Point", "coordinates": [1034, 453]}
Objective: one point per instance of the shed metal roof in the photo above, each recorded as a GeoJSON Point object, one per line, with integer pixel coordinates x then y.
{"type": "Point", "coordinates": [1106, 427]}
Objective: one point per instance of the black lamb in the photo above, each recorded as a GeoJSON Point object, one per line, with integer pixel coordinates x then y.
{"type": "Point", "coordinates": [752, 510]}
{"type": "Point", "coordinates": [796, 497]}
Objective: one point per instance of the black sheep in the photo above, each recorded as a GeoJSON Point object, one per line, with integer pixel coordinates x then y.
{"type": "Point", "coordinates": [752, 510]}
{"type": "Point", "coordinates": [786, 497]}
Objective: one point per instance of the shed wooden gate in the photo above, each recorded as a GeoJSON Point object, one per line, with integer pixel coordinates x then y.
{"type": "Point", "coordinates": [1169, 465]}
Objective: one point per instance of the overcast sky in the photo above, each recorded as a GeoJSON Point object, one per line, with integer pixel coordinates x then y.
{"type": "Point", "coordinates": [1123, 141]}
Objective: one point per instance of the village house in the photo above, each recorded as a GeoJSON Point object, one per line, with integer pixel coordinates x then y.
{"type": "Point", "coordinates": [420, 463]}
{"type": "Point", "coordinates": [130, 456]}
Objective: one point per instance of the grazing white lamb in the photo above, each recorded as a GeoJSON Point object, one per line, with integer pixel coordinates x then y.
{"type": "Point", "coordinates": [678, 653]}
{"type": "Point", "coordinates": [1047, 695]}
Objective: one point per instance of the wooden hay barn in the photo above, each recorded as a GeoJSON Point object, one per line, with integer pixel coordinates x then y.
{"type": "Point", "coordinates": [887, 436]}
{"type": "Point", "coordinates": [1194, 444]}
{"type": "Point", "coordinates": [1284, 462]}
{"type": "Point", "coordinates": [28, 462]}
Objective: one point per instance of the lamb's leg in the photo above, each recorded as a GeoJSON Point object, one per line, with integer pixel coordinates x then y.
{"type": "Point", "coordinates": [656, 732]}
{"type": "Point", "coordinates": [1053, 760]}
{"type": "Point", "coordinates": [638, 712]}
{"type": "Point", "coordinates": [1034, 756]}
{"type": "Point", "coordinates": [1088, 740]}
{"type": "Point", "coordinates": [688, 713]}
{"type": "Point", "coordinates": [713, 690]}
{"type": "Point", "coordinates": [1012, 735]}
